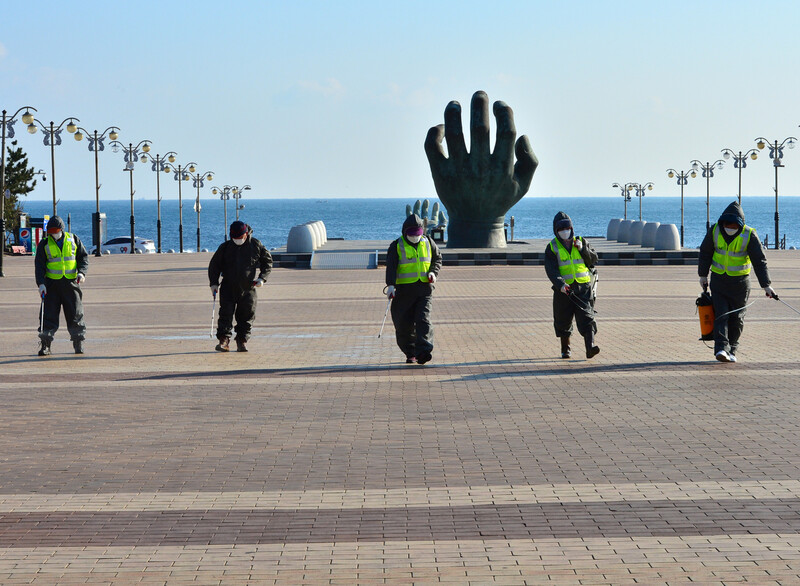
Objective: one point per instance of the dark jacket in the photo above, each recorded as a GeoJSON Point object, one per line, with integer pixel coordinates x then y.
{"type": "Point", "coordinates": [588, 254]}
{"type": "Point", "coordinates": [240, 266]}
{"type": "Point", "coordinates": [40, 261]}
{"type": "Point", "coordinates": [755, 250]}
{"type": "Point", "coordinates": [393, 258]}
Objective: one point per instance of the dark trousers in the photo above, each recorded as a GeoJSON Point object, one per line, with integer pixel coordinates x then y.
{"type": "Point", "coordinates": [66, 294]}
{"type": "Point", "coordinates": [580, 307]}
{"type": "Point", "coordinates": [727, 294]}
{"type": "Point", "coordinates": [234, 302]}
{"type": "Point", "coordinates": [411, 315]}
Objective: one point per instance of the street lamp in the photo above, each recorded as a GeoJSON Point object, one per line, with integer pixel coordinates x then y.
{"type": "Point", "coordinates": [7, 129]}
{"type": "Point", "coordinates": [52, 138]}
{"type": "Point", "coordinates": [159, 166]}
{"type": "Point", "coordinates": [131, 156]}
{"type": "Point", "coordinates": [708, 173]}
{"type": "Point", "coordinates": [96, 145]}
{"type": "Point", "coordinates": [683, 179]}
{"type": "Point", "coordinates": [739, 162]}
{"type": "Point", "coordinates": [776, 154]}
{"type": "Point", "coordinates": [626, 194]}
{"type": "Point", "coordinates": [180, 176]}
{"type": "Point", "coordinates": [640, 189]}
{"type": "Point", "coordinates": [237, 195]}
{"type": "Point", "coordinates": [225, 195]}
{"type": "Point", "coordinates": [197, 180]}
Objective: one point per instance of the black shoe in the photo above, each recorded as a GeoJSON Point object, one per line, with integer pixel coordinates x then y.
{"type": "Point", "coordinates": [411, 359]}
{"type": "Point", "coordinates": [240, 345]}
{"type": "Point", "coordinates": [78, 346]}
{"type": "Point", "coordinates": [224, 345]}
{"type": "Point", "coordinates": [591, 349]}
{"type": "Point", "coordinates": [424, 357]}
{"type": "Point", "coordinates": [565, 349]}
{"type": "Point", "coordinates": [44, 347]}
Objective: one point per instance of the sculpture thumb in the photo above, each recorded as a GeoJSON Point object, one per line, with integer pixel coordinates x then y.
{"type": "Point", "coordinates": [526, 164]}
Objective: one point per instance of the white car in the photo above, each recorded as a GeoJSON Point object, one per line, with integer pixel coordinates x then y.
{"type": "Point", "coordinates": [122, 245]}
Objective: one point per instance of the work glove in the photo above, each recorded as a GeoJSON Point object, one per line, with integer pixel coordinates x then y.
{"type": "Point", "coordinates": [704, 282]}
{"type": "Point", "coordinates": [258, 282]}
{"type": "Point", "coordinates": [565, 289]}
{"type": "Point", "coordinates": [42, 290]}
{"type": "Point", "coordinates": [80, 278]}
{"type": "Point", "coordinates": [390, 292]}
{"type": "Point", "coordinates": [578, 243]}
{"type": "Point", "coordinates": [770, 291]}
{"type": "Point", "coordinates": [214, 289]}
{"type": "Point", "coordinates": [431, 278]}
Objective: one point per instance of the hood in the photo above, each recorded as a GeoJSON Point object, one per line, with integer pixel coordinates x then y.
{"type": "Point", "coordinates": [56, 223]}
{"type": "Point", "coordinates": [733, 213]}
{"type": "Point", "coordinates": [412, 221]}
{"type": "Point", "coordinates": [561, 218]}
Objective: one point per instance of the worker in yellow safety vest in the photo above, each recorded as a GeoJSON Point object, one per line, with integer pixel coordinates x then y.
{"type": "Point", "coordinates": [731, 250]}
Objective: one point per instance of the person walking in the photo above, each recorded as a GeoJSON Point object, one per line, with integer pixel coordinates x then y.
{"type": "Point", "coordinates": [731, 249]}
{"type": "Point", "coordinates": [244, 264]}
{"type": "Point", "coordinates": [413, 262]}
{"type": "Point", "coordinates": [61, 264]}
{"type": "Point", "coordinates": [569, 262]}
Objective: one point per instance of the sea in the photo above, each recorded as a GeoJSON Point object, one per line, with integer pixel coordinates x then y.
{"type": "Point", "coordinates": [381, 218]}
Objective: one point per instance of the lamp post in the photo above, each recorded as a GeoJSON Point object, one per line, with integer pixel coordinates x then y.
{"type": "Point", "coordinates": [96, 145]}
{"type": "Point", "coordinates": [7, 129]}
{"type": "Point", "coordinates": [52, 138]}
{"type": "Point", "coordinates": [159, 166]}
{"type": "Point", "coordinates": [776, 154]}
{"type": "Point", "coordinates": [640, 189]}
{"type": "Point", "coordinates": [708, 173]}
{"type": "Point", "coordinates": [683, 179]}
{"type": "Point", "coordinates": [224, 195]}
{"type": "Point", "coordinates": [237, 195]}
{"type": "Point", "coordinates": [180, 176]}
{"type": "Point", "coordinates": [625, 189]}
{"type": "Point", "coordinates": [197, 180]}
{"type": "Point", "coordinates": [131, 155]}
{"type": "Point", "coordinates": [739, 162]}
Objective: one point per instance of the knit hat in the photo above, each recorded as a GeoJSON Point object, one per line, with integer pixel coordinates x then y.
{"type": "Point", "coordinates": [238, 229]}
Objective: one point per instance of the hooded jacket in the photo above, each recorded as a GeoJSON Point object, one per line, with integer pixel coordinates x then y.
{"type": "Point", "coordinates": [40, 260]}
{"type": "Point", "coordinates": [734, 213]}
{"type": "Point", "coordinates": [393, 259]}
{"type": "Point", "coordinates": [551, 261]}
{"type": "Point", "coordinates": [239, 265]}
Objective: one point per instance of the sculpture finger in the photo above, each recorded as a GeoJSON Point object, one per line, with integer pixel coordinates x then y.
{"type": "Point", "coordinates": [453, 133]}
{"type": "Point", "coordinates": [526, 164]}
{"type": "Point", "coordinates": [433, 147]}
{"type": "Point", "coordinates": [479, 129]}
{"type": "Point", "coordinates": [506, 135]}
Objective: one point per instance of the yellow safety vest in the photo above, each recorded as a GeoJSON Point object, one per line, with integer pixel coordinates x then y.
{"type": "Point", "coordinates": [731, 259]}
{"type": "Point", "coordinates": [415, 262]}
{"type": "Point", "coordinates": [570, 264]}
{"type": "Point", "coordinates": [61, 262]}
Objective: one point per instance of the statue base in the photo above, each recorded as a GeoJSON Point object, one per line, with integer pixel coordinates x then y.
{"type": "Point", "coordinates": [464, 233]}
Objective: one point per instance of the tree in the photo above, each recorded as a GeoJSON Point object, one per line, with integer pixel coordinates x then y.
{"type": "Point", "coordinates": [19, 182]}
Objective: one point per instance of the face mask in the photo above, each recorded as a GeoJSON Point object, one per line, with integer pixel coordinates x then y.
{"type": "Point", "coordinates": [239, 241]}
{"type": "Point", "coordinates": [413, 239]}
{"type": "Point", "coordinates": [564, 234]}
{"type": "Point", "coordinates": [731, 231]}
{"type": "Point", "coordinates": [57, 235]}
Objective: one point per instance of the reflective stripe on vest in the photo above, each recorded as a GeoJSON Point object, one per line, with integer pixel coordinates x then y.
{"type": "Point", "coordinates": [570, 264]}
{"type": "Point", "coordinates": [731, 259]}
{"type": "Point", "coordinates": [415, 262]}
{"type": "Point", "coordinates": [61, 262]}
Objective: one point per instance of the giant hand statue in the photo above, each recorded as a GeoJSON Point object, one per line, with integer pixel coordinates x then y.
{"type": "Point", "coordinates": [478, 187]}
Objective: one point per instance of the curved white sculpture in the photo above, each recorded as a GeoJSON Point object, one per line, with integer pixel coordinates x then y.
{"type": "Point", "coordinates": [624, 230]}
{"type": "Point", "coordinates": [668, 237]}
{"type": "Point", "coordinates": [301, 239]}
{"type": "Point", "coordinates": [613, 228]}
{"type": "Point", "coordinates": [635, 232]}
{"type": "Point", "coordinates": [649, 233]}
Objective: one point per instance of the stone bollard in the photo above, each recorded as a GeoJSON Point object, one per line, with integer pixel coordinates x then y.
{"type": "Point", "coordinates": [649, 233]}
{"type": "Point", "coordinates": [668, 237]}
{"type": "Point", "coordinates": [624, 230]}
{"type": "Point", "coordinates": [317, 233]}
{"type": "Point", "coordinates": [301, 239]}
{"type": "Point", "coordinates": [613, 228]}
{"type": "Point", "coordinates": [635, 232]}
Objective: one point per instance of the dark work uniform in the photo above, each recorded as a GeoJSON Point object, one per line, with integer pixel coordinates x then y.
{"type": "Point", "coordinates": [240, 267]}
{"type": "Point", "coordinates": [61, 293]}
{"type": "Point", "coordinates": [731, 292]}
{"type": "Point", "coordinates": [411, 306]}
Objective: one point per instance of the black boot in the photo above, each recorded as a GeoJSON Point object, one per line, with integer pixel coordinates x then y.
{"type": "Point", "coordinates": [565, 349]}
{"type": "Point", "coordinates": [224, 344]}
{"type": "Point", "coordinates": [78, 346]}
{"type": "Point", "coordinates": [44, 347]}
{"type": "Point", "coordinates": [241, 345]}
{"type": "Point", "coordinates": [591, 349]}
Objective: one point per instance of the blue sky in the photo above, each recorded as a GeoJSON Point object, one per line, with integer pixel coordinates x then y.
{"type": "Point", "coordinates": [334, 99]}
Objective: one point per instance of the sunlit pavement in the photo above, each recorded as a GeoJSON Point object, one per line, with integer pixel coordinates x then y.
{"type": "Point", "coordinates": [319, 456]}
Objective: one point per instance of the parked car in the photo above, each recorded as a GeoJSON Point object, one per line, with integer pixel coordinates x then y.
{"type": "Point", "coordinates": [122, 245]}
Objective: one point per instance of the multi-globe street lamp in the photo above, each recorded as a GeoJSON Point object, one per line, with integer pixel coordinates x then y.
{"type": "Point", "coordinates": [739, 162]}
{"type": "Point", "coordinates": [776, 154]}
{"type": "Point", "coordinates": [197, 180]}
{"type": "Point", "coordinates": [181, 175]}
{"type": "Point", "coordinates": [640, 189]}
{"type": "Point", "coordinates": [96, 145]}
{"type": "Point", "coordinates": [7, 129]}
{"type": "Point", "coordinates": [625, 189]}
{"type": "Point", "coordinates": [52, 138]}
{"type": "Point", "coordinates": [159, 166]}
{"type": "Point", "coordinates": [237, 195]}
{"type": "Point", "coordinates": [683, 179]}
{"type": "Point", "coordinates": [708, 173]}
{"type": "Point", "coordinates": [131, 156]}
{"type": "Point", "coordinates": [224, 195]}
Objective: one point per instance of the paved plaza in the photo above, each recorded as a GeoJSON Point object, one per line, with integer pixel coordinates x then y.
{"type": "Point", "coordinates": [320, 457]}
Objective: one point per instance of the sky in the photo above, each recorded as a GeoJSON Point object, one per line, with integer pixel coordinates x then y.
{"type": "Point", "coordinates": [323, 99]}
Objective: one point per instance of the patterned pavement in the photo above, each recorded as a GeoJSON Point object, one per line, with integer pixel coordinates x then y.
{"type": "Point", "coordinates": [319, 457]}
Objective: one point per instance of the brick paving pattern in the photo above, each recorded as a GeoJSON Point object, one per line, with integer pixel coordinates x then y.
{"type": "Point", "coordinates": [319, 457]}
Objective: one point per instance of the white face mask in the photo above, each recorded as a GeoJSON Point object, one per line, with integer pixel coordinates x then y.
{"type": "Point", "coordinates": [731, 231]}
{"type": "Point", "coordinates": [413, 239]}
{"type": "Point", "coordinates": [57, 235]}
{"type": "Point", "coordinates": [564, 234]}
{"type": "Point", "coordinates": [239, 241]}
